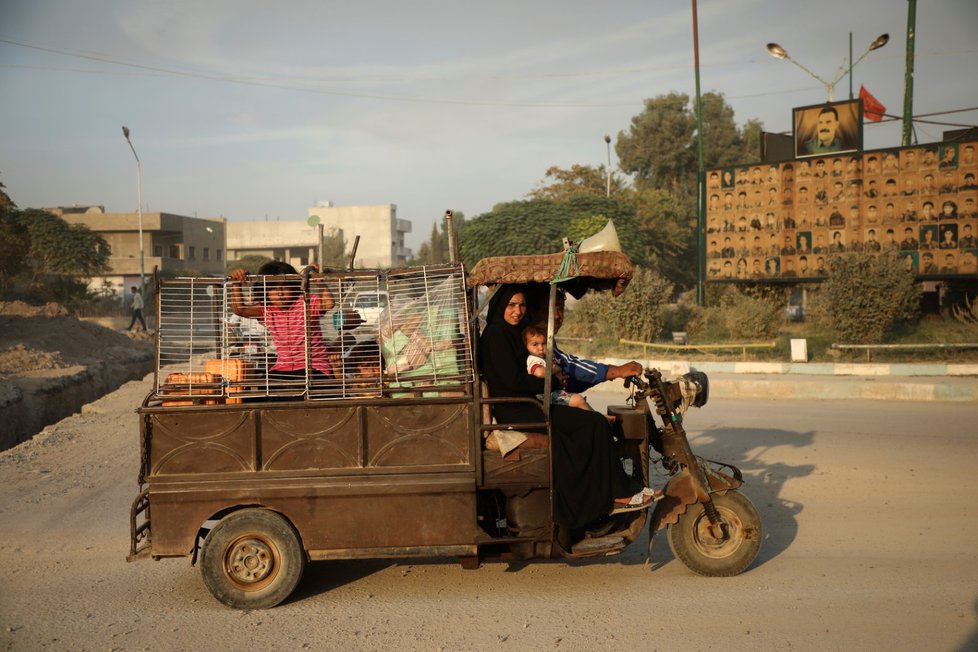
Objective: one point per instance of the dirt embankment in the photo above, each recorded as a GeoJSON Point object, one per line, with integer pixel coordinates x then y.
{"type": "Point", "coordinates": [51, 364]}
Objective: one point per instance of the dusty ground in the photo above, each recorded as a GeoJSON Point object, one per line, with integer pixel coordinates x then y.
{"type": "Point", "coordinates": [868, 508]}
{"type": "Point", "coordinates": [51, 364]}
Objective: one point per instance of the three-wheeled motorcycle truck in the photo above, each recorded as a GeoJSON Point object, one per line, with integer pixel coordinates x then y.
{"type": "Point", "coordinates": [251, 473]}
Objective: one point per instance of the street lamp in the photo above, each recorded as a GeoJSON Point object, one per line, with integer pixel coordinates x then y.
{"type": "Point", "coordinates": [607, 142]}
{"type": "Point", "coordinates": [139, 209]}
{"type": "Point", "coordinates": [779, 52]}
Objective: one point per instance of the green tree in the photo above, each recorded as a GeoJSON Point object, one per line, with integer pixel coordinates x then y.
{"type": "Point", "coordinates": [334, 249]}
{"type": "Point", "coordinates": [435, 250]}
{"type": "Point", "coordinates": [13, 240]}
{"type": "Point", "coordinates": [660, 146]}
{"type": "Point", "coordinates": [540, 225]}
{"type": "Point", "coordinates": [667, 228]}
{"type": "Point", "coordinates": [656, 148]}
{"type": "Point", "coordinates": [6, 203]}
{"type": "Point", "coordinates": [560, 184]}
{"type": "Point", "coordinates": [432, 251]}
{"type": "Point", "coordinates": [62, 249]}
{"type": "Point", "coordinates": [670, 229]}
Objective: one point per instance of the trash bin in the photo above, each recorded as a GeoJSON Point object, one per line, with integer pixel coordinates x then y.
{"type": "Point", "coordinates": [799, 350]}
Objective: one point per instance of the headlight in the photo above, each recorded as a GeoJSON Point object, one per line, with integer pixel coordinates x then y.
{"type": "Point", "coordinates": [689, 390]}
{"type": "Point", "coordinates": [700, 385]}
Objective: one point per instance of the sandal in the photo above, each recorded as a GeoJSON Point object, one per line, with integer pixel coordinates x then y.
{"type": "Point", "coordinates": [655, 494]}
{"type": "Point", "coordinates": [635, 503]}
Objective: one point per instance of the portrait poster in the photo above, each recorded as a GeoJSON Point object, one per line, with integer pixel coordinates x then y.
{"type": "Point", "coordinates": [785, 221]}
{"type": "Point", "coordinates": [829, 128]}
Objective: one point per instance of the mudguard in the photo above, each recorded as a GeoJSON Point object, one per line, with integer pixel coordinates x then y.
{"type": "Point", "coordinates": [682, 491]}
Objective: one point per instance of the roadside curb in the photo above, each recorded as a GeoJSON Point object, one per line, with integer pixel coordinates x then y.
{"type": "Point", "coordinates": [679, 367]}
{"type": "Point", "coordinates": [826, 381]}
{"type": "Point", "coordinates": [845, 388]}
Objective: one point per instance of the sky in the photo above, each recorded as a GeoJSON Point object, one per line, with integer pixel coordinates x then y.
{"type": "Point", "coordinates": [258, 110]}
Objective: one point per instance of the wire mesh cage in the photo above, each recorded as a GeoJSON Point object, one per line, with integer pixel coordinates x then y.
{"type": "Point", "coordinates": [363, 333]}
{"type": "Point", "coordinates": [422, 333]}
{"type": "Point", "coordinates": [190, 334]}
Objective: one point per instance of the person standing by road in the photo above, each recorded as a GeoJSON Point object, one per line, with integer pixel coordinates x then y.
{"type": "Point", "coordinates": [137, 305]}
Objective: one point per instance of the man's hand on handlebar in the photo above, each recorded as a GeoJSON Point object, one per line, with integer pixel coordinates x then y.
{"type": "Point", "coordinates": [637, 381]}
{"type": "Point", "coordinates": [624, 371]}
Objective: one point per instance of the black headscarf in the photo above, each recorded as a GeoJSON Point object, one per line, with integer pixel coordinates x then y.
{"type": "Point", "coordinates": [586, 468]}
{"type": "Point", "coordinates": [496, 314]}
{"type": "Point", "coordinates": [502, 353]}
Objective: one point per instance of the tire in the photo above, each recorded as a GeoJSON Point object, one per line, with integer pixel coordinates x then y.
{"type": "Point", "coordinates": [252, 559]}
{"type": "Point", "coordinates": [692, 543]}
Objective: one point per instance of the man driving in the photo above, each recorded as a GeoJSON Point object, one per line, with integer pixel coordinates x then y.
{"type": "Point", "coordinates": [582, 374]}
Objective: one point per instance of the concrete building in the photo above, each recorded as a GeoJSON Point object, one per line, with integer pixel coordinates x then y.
{"type": "Point", "coordinates": [297, 241]}
{"type": "Point", "coordinates": [171, 243]}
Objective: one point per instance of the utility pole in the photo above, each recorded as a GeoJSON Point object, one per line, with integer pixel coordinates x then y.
{"type": "Point", "coordinates": [700, 177]}
{"type": "Point", "coordinates": [139, 210]}
{"type": "Point", "coordinates": [908, 83]}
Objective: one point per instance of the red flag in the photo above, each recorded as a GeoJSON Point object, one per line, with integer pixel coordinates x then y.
{"type": "Point", "coordinates": [873, 109]}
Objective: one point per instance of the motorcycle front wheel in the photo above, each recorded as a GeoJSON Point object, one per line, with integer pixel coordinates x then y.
{"type": "Point", "coordinates": [718, 552]}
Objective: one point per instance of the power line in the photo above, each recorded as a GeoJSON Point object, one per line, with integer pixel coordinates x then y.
{"type": "Point", "coordinates": [293, 83]}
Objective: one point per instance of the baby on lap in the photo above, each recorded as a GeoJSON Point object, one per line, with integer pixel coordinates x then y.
{"type": "Point", "coordinates": [535, 340]}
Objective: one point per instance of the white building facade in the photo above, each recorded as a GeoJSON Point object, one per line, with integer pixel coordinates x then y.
{"type": "Point", "coordinates": [297, 241]}
{"type": "Point", "coordinates": [175, 244]}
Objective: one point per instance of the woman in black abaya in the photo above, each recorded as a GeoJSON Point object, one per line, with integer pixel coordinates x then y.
{"type": "Point", "coordinates": [588, 476]}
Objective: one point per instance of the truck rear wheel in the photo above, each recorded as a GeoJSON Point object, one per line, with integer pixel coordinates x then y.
{"type": "Point", "coordinates": [252, 559]}
{"type": "Point", "coordinates": [706, 551]}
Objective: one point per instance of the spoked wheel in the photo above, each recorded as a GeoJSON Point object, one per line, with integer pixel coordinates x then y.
{"type": "Point", "coordinates": [718, 551]}
{"type": "Point", "coordinates": [252, 559]}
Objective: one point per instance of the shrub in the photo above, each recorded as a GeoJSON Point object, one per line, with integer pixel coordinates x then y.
{"type": "Point", "coordinates": [680, 315]}
{"type": "Point", "coordinates": [747, 313]}
{"type": "Point", "coordinates": [966, 313]}
{"type": "Point", "coordinates": [864, 297]}
{"type": "Point", "coordinates": [635, 315]}
{"type": "Point", "coordinates": [747, 317]}
{"type": "Point", "coordinates": [589, 317]}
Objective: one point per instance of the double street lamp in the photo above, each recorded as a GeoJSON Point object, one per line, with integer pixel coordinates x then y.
{"type": "Point", "coordinates": [779, 52]}
{"type": "Point", "coordinates": [139, 209]}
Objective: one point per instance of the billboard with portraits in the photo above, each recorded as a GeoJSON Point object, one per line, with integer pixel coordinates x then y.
{"type": "Point", "coordinates": [783, 221]}
{"type": "Point", "coordinates": [833, 127]}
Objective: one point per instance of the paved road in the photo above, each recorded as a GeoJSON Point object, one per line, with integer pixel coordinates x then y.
{"type": "Point", "coordinates": [869, 509]}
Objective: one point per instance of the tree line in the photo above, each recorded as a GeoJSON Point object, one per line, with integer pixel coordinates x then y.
{"type": "Point", "coordinates": [43, 257]}
{"type": "Point", "coordinates": [652, 198]}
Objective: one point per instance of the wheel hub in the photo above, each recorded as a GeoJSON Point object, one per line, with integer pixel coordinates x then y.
{"type": "Point", "coordinates": [250, 561]}
{"type": "Point", "coordinates": [720, 540]}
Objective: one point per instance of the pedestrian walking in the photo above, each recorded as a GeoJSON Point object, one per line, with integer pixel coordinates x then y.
{"type": "Point", "coordinates": [137, 309]}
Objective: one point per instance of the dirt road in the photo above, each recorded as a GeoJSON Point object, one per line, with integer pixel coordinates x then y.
{"type": "Point", "coordinates": [871, 530]}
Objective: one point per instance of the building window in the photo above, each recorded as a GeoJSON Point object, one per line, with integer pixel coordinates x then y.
{"type": "Point", "coordinates": [217, 254]}
{"type": "Point", "coordinates": [193, 253]}
{"type": "Point", "coordinates": [207, 253]}
{"type": "Point", "coordinates": [158, 251]}
{"type": "Point", "coordinates": [174, 251]}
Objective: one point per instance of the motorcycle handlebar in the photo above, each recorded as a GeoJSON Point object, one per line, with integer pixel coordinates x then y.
{"type": "Point", "coordinates": [637, 381]}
